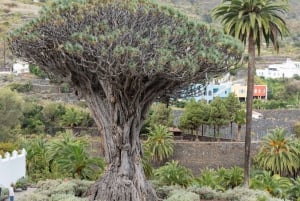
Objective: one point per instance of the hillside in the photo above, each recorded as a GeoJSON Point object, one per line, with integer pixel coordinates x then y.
{"type": "Point", "coordinates": [16, 12]}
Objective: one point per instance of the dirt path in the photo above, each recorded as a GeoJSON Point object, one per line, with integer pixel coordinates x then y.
{"type": "Point", "coordinates": [19, 194]}
{"type": "Point", "coordinates": [19, 7]}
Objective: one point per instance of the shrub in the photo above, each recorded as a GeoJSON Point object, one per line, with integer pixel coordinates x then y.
{"type": "Point", "coordinates": [59, 190]}
{"type": "Point", "coordinates": [64, 197]}
{"type": "Point", "coordinates": [22, 88]}
{"type": "Point", "coordinates": [182, 195]}
{"type": "Point", "coordinates": [294, 190]}
{"type": "Point", "coordinates": [296, 129]}
{"type": "Point", "coordinates": [7, 147]}
{"type": "Point", "coordinates": [174, 174]}
{"type": "Point", "coordinates": [233, 177]}
{"type": "Point", "coordinates": [209, 178]}
{"type": "Point", "coordinates": [244, 194]}
{"type": "Point", "coordinates": [205, 192]}
{"type": "Point", "coordinates": [22, 183]}
{"type": "Point", "coordinates": [274, 184]}
{"type": "Point", "coordinates": [34, 197]}
{"type": "Point", "coordinates": [164, 191]}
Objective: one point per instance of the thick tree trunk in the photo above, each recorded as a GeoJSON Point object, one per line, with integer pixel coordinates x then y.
{"type": "Point", "coordinates": [124, 178]}
{"type": "Point", "coordinates": [250, 86]}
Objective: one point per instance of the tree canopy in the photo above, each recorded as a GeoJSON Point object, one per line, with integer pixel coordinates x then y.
{"type": "Point", "coordinates": [109, 41]}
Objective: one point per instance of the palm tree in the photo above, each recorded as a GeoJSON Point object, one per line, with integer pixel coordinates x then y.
{"type": "Point", "coordinates": [71, 156]}
{"type": "Point", "coordinates": [250, 21]}
{"type": "Point", "coordinates": [160, 143]}
{"type": "Point", "coordinates": [278, 153]}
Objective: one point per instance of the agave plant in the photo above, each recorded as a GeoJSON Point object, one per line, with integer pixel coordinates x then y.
{"type": "Point", "coordinates": [278, 153]}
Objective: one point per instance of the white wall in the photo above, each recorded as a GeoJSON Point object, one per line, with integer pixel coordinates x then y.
{"type": "Point", "coordinates": [20, 67]}
{"type": "Point", "coordinates": [12, 167]}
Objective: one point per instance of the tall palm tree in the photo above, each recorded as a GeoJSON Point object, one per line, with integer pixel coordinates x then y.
{"type": "Point", "coordinates": [250, 21]}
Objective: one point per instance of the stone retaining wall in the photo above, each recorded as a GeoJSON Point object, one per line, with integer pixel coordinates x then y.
{"type": "Point", "coordinates": [201, 155]}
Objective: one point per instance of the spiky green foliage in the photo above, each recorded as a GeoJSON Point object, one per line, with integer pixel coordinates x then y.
{"type": "Point", "coordinates": [274, 184]}
{"type": "Point", "coordinates": [131, 38]}
{"type": "Point", "coordinates": [172, 173]}
{"type": "Point", "coordinates": [242, 18]}
{"type": "Point", "coordinates": [294, 190]}
{"type": "Point", "coordinates": [278, 153]}
{"type": "Point", "coordinates": [160, 143]}
{"type": "Point", "coordinates": [209, 178]}
{"type": "Point", "coordinates": [71, 157]}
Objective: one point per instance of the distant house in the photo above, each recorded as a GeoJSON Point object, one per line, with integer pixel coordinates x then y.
{"type": "Point", "coordinates": [20, 67]}
{"type": "Point", "coordinates": [285, 70]}
{"type": "Point", "coordinates": [221, 90]}
{"type": "Point", "coordinates": [240, 91]}
{"type": "Point", "coordinates": [260, 92]}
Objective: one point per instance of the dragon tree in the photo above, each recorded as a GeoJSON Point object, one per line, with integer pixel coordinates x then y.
{"type": "Point", "coordinates": [121, 56]}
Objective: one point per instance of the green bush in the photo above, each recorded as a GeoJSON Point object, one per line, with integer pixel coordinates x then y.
{"type": "Point", "coordinates": [37, 71]}
{"type": "Point", "coordinates": [4, 194]}
{"type": "Point", "coordinates": [182, 195]}
{"type": "Point", "coordinates": [164, 191]}
{"type": "Point", "coordinates": [273, 184]}
{"type": "Point", "coordinates": [6, 147]}
{"type": "Point", "coordinates": [174, 174]}
{"type": "Point", "coordinates": [296, 129]}
{"type": "Point", "coordinates": [294, 190]}
{"type": "Point", "coordinates": [22, 183]}
{"type": "Point", "coordinates": [209, 178]}
{"type": "Point", "coordinates": [59, 190]}
{"type": "Point", "coordinates": [34, 197]}
{"type": "Point", "coordinates": [244, 194]}
{"type": "Point", "coordinates": [233, 177]}
{"type": "Point", "coordinates": [22, 88]}
{"type": "Point", "coordinates": [66, 197]}
{"type": "Point", "coordinates": [204, 192]}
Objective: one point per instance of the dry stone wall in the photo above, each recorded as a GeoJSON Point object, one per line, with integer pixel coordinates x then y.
{"type": "Point", "coordinates": [200, 155]}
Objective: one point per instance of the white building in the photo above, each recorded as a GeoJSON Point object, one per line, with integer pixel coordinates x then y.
{"type": "Point", "coordinates": [20, 67]}
{"type": "Point", "coordinates": [284, 70]}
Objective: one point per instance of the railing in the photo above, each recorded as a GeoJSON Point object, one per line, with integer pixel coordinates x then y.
{"type": "Point", "coordinates": [12, 167]}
